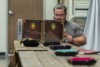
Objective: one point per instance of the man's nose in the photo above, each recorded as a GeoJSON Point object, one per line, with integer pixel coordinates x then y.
{"type": "Point", "coordinates": [58, 17]}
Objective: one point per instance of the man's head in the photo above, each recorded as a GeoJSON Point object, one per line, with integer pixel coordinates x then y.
{"type": "Point", "coordinates": [60, 12]}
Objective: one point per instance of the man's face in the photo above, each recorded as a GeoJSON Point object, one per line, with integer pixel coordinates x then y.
{"type": "Point", "coordinates": [59, 14]}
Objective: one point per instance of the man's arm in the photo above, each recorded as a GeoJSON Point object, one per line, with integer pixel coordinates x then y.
{"type": "Point", "coordinates": [78, 41]}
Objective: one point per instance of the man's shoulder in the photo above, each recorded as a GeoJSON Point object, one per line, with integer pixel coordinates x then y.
{"type": "Point", "coordinates": [72, 24]}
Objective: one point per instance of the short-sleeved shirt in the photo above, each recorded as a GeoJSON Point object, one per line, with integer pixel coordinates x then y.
{"type": "Point", "coordinates": [73, 29]}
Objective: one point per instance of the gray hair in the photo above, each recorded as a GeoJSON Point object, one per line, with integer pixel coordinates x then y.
{"type": "Point", "coordinates": [60, 6]}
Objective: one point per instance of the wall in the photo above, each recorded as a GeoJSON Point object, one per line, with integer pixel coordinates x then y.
{"type": "Point", "coordinates": [48, 9]}
{"type": "Point", "coordinates": [3, 25]}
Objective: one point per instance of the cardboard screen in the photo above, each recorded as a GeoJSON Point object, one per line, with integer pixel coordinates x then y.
{"type": "Point", "coordinates": [32, 29]}
{"type": "Point", "coordinates": [53, 30]}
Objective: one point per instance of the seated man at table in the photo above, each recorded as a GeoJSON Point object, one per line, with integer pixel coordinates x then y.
{"type": "Point", "coordinates": [72, 31]}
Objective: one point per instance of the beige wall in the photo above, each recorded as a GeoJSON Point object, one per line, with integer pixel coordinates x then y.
{"type": "Point", "coordinates": [48, 9]}
{"type": "Point", "coordinates": [3, 25]}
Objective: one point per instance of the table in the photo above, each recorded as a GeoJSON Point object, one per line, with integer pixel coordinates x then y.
{"type": "Point", "coordinates": [42, 56]}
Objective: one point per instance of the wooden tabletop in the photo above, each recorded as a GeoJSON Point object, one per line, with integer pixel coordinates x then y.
{"type": "Point", "coordinates": [45, 57]}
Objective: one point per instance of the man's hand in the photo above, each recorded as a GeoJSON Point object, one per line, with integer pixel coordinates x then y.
{"type": "Point", "coordinates": [70, 39]}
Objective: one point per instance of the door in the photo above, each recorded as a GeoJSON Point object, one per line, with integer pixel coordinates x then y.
{"type": "Point", "coordinates": [25, 9]}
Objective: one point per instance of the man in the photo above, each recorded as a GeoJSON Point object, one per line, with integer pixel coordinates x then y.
{"type": "Point", "coordinates": [73, 33]}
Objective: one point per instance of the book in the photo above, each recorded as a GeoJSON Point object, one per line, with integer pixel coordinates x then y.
{"type": "Point", "coordinates": [85, 51]}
